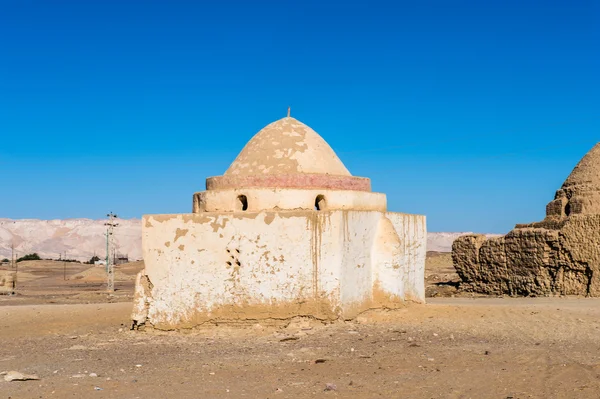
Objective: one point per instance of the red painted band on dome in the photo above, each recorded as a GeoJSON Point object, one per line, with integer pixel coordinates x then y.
{"type": "Point", "coordinates": [308, 181]}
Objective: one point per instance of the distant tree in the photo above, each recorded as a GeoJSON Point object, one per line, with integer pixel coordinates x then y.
{"type": "Point", "coordinates": [33, 256]}
{"type": "Point", "coordinates": [5, 260]}
{"type": "Point", "coordinates": [93, 260]}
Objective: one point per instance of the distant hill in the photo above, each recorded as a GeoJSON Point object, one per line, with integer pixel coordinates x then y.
{"type": "Point", "coordinates": [82, 238]}
{"type": "Point", "coordinates": [79, 238]}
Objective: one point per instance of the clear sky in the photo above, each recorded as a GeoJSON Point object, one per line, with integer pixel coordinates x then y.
{"type": "Point", "coordinates": [471, 112]}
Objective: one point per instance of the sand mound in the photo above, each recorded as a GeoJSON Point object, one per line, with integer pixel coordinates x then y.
{"type": "Point", "coordinates": [131, 268]}
{"type": "Point", "coordinates": [97, 274]}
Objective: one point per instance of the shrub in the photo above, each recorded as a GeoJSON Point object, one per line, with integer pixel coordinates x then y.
{"type": "Point", "coordinates": [32, 256]}
{"type": "Point", "coordinates": [5, 260]}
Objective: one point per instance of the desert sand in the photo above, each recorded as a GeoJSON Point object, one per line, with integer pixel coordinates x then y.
{"type": "Point", "coordinates": [76, 338]}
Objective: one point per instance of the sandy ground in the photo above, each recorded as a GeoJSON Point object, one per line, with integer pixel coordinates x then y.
{"type": "Point", "coordinates": [449, 348]}
{"type": "Point", "coordinates": [440, 276]}
{"type": "Point", "coordinates": [45, 281]}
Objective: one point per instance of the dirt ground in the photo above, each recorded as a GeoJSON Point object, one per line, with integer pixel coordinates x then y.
{"type": "Point", "coordinates": [449, 348]}
{"type": "Point", "coordinates": [441, 279]}
{"type": "Point", "coordinates": [48, 281]}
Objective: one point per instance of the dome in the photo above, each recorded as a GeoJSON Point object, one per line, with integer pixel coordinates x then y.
{"type": "Point", "coordinates": [580, 193]}
{"type": "Point", "coordinates": [287, 147]}
{"type": "Point", "coordinates": [288, 154]}
{"type": "Point", "coordinates": [587, 171]}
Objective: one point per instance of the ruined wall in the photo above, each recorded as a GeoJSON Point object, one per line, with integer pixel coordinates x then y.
{"type": "Point", "coordinates": [271, 265]}
{"type": "Point", "coordinates": [547, 258]}
{"type": "Point", "coordinates": [580, 244]}
{"type": "Point", "coordinates": [7, 282]}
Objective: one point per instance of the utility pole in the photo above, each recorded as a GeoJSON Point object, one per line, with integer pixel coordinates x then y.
{"type": "Point", "coordinates": [110, 251]}
{"type": "Point", "coordinates": [14, 265]}
{"type": "Point", "coordinates": [65, 267]}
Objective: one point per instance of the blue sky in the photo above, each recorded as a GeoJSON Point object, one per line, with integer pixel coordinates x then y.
{"type": "Point", "coordinates": [471, 112]}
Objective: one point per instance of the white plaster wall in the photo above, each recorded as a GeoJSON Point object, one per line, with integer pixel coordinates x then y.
{"type": "Point", "coordinates": [278, 198]}
{"type": "Point", "coordinates": [359, 231]}
{"type": "Point", "coordinates": [190, 272]}
{"type": "Point", "coordinates": [412, 231]}
{"type": "Point", "coordinates": [326, 249]}
{"type": "Point", "coordinates": [288, 257]}
{"type": "Point", "coordinates": [389, 277]}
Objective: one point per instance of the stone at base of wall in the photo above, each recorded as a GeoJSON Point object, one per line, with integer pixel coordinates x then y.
{"type": "Point", "coordinates": [267, 315]}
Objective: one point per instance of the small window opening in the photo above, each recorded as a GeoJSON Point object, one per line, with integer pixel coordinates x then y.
{"type": "Point", "coordinates": [320, 203]}
{"type": "Point", "coordinates": [242, 202]}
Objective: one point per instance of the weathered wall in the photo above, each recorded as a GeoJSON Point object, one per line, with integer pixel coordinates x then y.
{"type": "Point", "coordinates": [580, 247]}
{"type": "Point", "coordinates": [412, 231]}
{"type": "Point", "coordinates": [558, 259]}
{"type": "Point", "coordinates": [7, 282]}
{"type": "Point", "coordinates": [244, 265]}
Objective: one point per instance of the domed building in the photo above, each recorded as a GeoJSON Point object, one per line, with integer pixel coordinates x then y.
{"type": "Point", "coordinates": [286, 231]}
{"type": "Point", "coordinates": [580, 193]}
{"type": "Point", "coordinates": [557, 256]}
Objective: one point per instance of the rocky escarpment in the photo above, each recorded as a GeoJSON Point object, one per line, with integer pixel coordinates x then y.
{"type": "Point", "coordinates": [79, 239]}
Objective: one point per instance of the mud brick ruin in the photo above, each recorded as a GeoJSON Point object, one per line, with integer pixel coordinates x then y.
{"type": "Point", "coordinates": [286, 231]}
{"type": "Point", "coordinates": [557, 256]}
{"type": "Point", "coordinates": [8, 282]}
